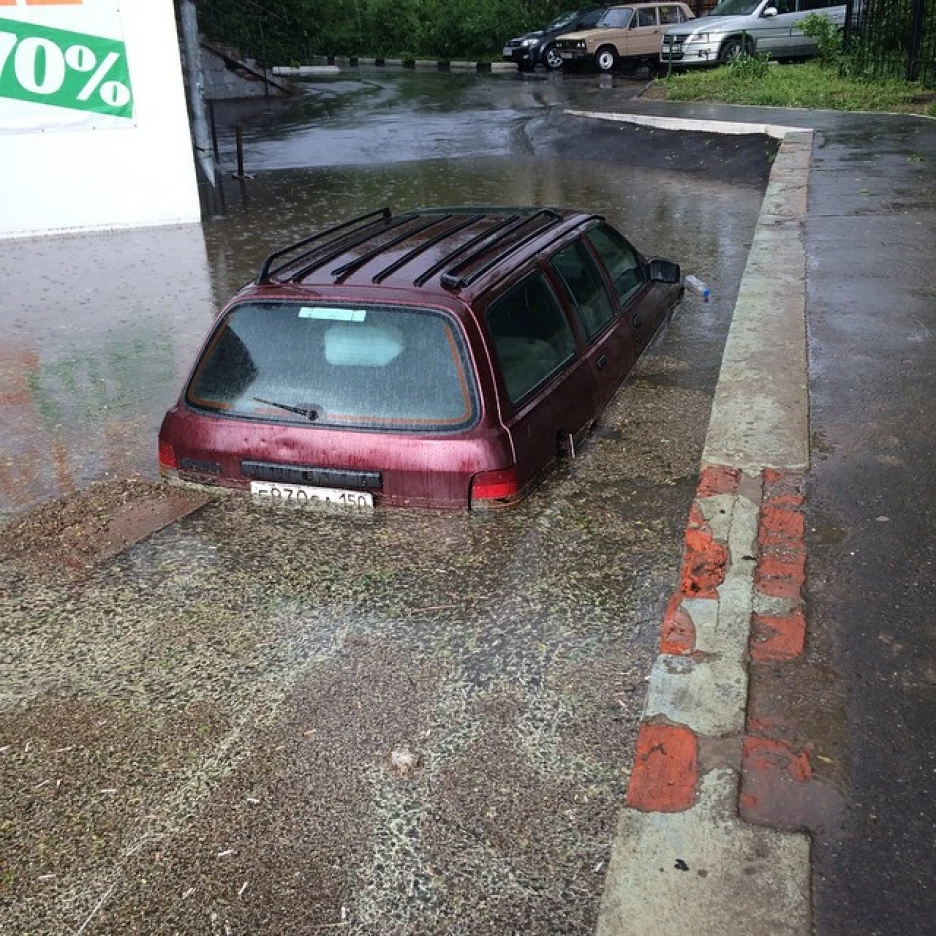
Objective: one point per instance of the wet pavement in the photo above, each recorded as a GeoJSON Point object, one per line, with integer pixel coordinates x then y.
{"type": "Point", "coordinates": [872, 517]}
{"type": "Point", "coordinates": [864, 696]}
{"type": "Point", "coordinates": [278, 721]}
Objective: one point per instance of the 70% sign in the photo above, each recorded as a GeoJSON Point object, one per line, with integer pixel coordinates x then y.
{"type": "Point", "coordinates": [66, 69]}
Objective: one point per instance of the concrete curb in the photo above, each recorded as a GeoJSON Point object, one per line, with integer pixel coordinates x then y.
{"type": "Point", "coordinates": [332, 65]}
{"type": "Point", "coordinates": [685, 857]}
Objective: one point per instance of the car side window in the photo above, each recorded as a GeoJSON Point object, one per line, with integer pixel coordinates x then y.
{"type": "Point", "coordinates": [670, 15]}
{"type": "Point", "coordinates": [531, 335]}
{"type": "Point", "coordinates": [620, 260]}
{"type": "Point", "coordinates": [590, 19]}
{"type": "Point", "coordinates": [616, 19]}
{"type": "Point", "coordinates": [646, 16]}
{"type": "Point", "coordinates": [578, 272]}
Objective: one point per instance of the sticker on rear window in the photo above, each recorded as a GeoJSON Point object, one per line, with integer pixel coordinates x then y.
{"type": "Point", "coordinates": [333, 315]}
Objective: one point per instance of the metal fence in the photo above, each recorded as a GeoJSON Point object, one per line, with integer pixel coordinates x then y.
{"type": "Point", "coordinates": [892, 39]}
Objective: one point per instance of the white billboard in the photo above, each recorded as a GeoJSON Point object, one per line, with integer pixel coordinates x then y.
{"type": "Point", "coordinates": [63, 65]}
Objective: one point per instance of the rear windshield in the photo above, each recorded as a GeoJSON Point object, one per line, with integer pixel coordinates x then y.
{"type": "Point", "coordinates": [366, 367]}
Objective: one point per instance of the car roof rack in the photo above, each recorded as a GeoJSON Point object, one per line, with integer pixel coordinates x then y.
{"type": "Point", "coordinates": [352, 265]}
{"type": "Point", "coordinates": [374, 219]}
{"type": "Point", "coordinates": [450, 278]}
{"type": "Point", "coordinates": [488, 248]}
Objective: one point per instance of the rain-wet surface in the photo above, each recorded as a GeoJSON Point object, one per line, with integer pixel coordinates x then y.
{"type": "Point", "coordinates": [199, 735]}
{"type": "Point", "coordinates": [870, 518]}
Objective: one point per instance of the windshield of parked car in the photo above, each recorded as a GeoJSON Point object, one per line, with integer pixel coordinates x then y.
{"type": "Point", "coordinates": [567, 19]}
{"type": "Point", "coordinates": [616, 18]}
{"type": "Point", "coordinates": [736, 8]}
{"type": "Point", "coordinates": [361, 366]}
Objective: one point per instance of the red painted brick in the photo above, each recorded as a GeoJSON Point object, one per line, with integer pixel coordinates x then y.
{"type": "Point", "coordinates": [780, 526]}
{"type": "Point", "coordinates": [781, 483]}
{"type": "Point", "coordinates": [704, 564]}
{"type": "Point", "coordinates": [790, 501]}
{"type": "Point", "coordinates": [779, 587]}
{"type": "Point", "coordinates": [786, 564]}
{"type": "Point", "coordinates": [718, 479]}
{"type": "Point", "coordinates": [678, 634]}
{"type": "Point", "coordinates": [666, 769]}
{"type": "Point", "coordinates": [778, 638]}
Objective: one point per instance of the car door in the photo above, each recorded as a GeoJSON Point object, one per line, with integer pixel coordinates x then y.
{"type": "Point", "coordinates": [775, 34]}
{"type": "Point", "coordinates": [643, 310]}
{"type": "Point", "coordinates": [610, 347]}
{"type": "Point", "coordinates": [644, 34]}
{"type": "Point", "coordinates": [547, 389]}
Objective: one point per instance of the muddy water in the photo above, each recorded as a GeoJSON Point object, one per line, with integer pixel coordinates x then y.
{"type": "Point", "coordinates": [201, 737]}
{"type": "Point", "coordinates": [100, 329]}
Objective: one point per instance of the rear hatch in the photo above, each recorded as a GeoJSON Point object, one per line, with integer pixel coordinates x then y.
{"type": "Point", "coordinates": [375, 398]}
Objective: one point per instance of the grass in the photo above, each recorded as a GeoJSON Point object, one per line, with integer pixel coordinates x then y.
{"type": "Point", "coordinates": [809, 85]}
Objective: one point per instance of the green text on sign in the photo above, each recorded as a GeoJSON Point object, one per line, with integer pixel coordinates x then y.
{"type": "Point", "coordinates": [66, 69]}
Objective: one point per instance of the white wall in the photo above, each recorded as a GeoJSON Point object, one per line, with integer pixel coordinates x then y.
{"type": "Point", "coordinates": [72, 180]}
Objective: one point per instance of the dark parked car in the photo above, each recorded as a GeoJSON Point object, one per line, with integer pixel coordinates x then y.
{"type": "Point", "coordinates": [539, 47]}
{"type": "Point", "coordinates": [438, 358]}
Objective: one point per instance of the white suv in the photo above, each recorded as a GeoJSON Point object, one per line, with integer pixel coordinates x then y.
{"type": "Point", "coordinates": [735, 27]}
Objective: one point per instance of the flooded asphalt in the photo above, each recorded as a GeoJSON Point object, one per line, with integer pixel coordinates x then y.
{"type": "Point", "coordinates": [263, 720]}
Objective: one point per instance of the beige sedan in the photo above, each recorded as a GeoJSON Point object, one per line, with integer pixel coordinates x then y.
{"type": "Point", "coordinates": [630, 33]}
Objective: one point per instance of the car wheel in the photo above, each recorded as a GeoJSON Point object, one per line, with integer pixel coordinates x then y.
{"type": "Point", "coordinates": [551, 58]}
{"type": "Point", "coordinates": [605, 58]}
{"type": "Point", "coordinates": [733, 48]}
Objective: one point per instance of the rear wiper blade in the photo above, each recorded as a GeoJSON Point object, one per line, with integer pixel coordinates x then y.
{"type": "Point", "coordinates": [308, 412]}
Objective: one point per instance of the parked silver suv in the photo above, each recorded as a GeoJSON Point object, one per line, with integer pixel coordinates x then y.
{"type": "Point", "coordinates": [735, 27]}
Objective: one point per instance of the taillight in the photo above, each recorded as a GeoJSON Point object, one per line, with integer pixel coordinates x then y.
{"type": "Point", "coordinates": [167, 455]}
{"type": "Point", "coordinates": [494, 485]}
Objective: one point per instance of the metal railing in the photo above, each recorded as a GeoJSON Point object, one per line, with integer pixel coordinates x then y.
{"type": "Point", "coordinates": [892, 39]}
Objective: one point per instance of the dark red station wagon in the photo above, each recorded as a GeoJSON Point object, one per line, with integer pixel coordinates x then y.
{"type": "Point", "coordinates": [442, 358]}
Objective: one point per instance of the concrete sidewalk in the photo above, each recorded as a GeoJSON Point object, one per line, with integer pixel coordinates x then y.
{"type": "Point", "coordinates": [748, 783]}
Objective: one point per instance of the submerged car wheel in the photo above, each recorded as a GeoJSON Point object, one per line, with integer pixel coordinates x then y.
{"type": "Point", "coordinates": [551, 58]}
{"type": "Point", "coordinates": [605, 58]}
{"type": "Point", "coordinates": [733, 48]}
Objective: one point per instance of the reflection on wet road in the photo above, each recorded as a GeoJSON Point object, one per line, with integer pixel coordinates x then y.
{"type": "Point", "coordinates": [375, 116]}
{"type": "Point", "coordinates": [200, 736]}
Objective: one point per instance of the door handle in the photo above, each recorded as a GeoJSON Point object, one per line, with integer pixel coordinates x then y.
{"type": "Point", "coordinates": [601, 362]}
{"type": "Point", "coordinates": [636, 321]}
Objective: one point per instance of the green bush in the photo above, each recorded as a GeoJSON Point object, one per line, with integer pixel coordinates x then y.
{"type": "Point", "coordinates": [827, 35]}
{"type": "Point", "coordinates": [750, 67]}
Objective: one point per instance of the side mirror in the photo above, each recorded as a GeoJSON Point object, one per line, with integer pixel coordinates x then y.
{"type": "Point", "coordinates": [770, 11]}
{"type": "Point", "coordinates": [663, 271]}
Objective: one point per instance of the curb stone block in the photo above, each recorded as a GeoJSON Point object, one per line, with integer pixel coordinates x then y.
{"type": "Point", "coordinates": [718, 479]}
{"type": "Point", "coordinates": [666, 769]}
{"type": "Point", "coordinates": [778, 638]}
{"type": "Point", "coordinates": [704, 560]}
{"type": "Point", "coordinates": [679, 635]}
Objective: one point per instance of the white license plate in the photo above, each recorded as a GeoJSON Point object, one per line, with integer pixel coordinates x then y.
{"type": "Point", "coordinates": [508, 51]}
{"type": "Point", "coordinates": [270, 492]}
{"type": "Point", "coordinates": [565, 55]}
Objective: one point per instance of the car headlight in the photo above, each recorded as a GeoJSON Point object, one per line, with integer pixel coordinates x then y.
{"type": "Point", "coordinates": [528, 42]}
{"type": "Point", "coordinates": [697, 37]}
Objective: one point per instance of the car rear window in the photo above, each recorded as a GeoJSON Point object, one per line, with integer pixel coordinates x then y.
{"type": "Point", "coordinates": [362, 366]}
